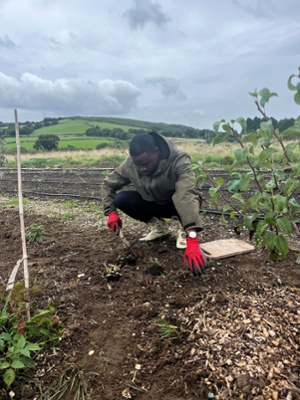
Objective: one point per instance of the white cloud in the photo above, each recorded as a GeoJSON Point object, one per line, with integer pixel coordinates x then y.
{"type": "Point", "coordinates": [68, 96]}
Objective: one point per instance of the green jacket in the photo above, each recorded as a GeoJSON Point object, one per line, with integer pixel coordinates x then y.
{"type": "Point", "coordinates": [172, 180]}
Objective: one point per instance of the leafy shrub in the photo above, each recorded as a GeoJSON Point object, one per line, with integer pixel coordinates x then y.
{"type": "Point", "coordinates": [21, 339]}
{"type": "Point", "coordinates": [272, 209]}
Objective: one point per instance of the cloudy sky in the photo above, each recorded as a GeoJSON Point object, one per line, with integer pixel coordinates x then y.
{"type": "Point", "coordinates": [188, 62]}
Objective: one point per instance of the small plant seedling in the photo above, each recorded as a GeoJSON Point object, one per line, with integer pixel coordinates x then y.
{"type": "Point", "coordinates": [35, 233]}
{"type": "Point", "coordinates": [167, 331]}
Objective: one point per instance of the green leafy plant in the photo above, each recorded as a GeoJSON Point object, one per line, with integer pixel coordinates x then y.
{"type": "Point", "coordinates": [15, 350]}
{"type": "Point", "coordinates": [34, 233]}
{"type": "Point", "coordinates": [21, 339]}
{"type": "Point", "coordinates": [263, 199]}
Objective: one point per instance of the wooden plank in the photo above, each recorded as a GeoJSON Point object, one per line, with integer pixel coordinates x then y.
{"type": "Point", "coordinates": [226, 248]}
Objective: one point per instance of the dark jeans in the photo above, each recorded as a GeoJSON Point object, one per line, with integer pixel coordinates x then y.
{"type": "Point", "coordinates": [132, 204]}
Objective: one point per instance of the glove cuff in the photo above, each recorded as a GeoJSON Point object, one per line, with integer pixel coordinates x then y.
{"type": "Point", "coordinates": [192, 241]}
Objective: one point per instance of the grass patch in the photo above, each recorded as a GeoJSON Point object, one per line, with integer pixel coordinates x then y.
{"type": "Point", "coordinates": [78, 126]}
{"type": "Point", "coordinates": [221, 154]}
{"type": "Point", "coordinates": [15, 202]}
{"type": "Point", "coordinates": [85, 143]}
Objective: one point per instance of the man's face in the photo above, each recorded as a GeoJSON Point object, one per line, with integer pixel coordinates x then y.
{"type": "Point", "coordinates": [147, 162]}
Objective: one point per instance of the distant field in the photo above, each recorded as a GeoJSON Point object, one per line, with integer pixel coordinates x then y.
{"type": "Point", "coordinates": [84, 143]}
{"type": "Point", "coordinates": [78, 126]}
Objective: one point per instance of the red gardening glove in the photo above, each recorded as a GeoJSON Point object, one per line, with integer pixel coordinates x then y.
{"type": "Point", "coordinates": [114, 222]}
{"type": "Point", "coordinates": [194, 258]}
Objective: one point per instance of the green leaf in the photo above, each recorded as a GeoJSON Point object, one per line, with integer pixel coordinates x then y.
{"type": "Point", "coordinates": [248, 220]}
{"type": "Point", "coordinates": [27, 361]}
{"type": "Point", "coordinates": [267, 127]}
{"type": "Point", "coordinates": [222, 218]}
{"type": "Point", "coordinates": [265, 96]}
{"type": "Point", "coordinates": [261, 228]}
{"type": "Point", "coordinates": [5, 336]}
{"type": "Point", "coordinates": [280, 203]}
{"type": "Point", "coordinates": [297, 98]}
{"type": "Point", "coordinates": [25, 352]}
{"type": "Point", "coordinates": [216, 125]}
{"type": "Point", "coordinates": [233, 186]}
{"type": "Point", "coordinates": [9, 377]}
{"type": "Point", "coordinates": [219, 181]}
{"type": "Point", "coordinates": [227, 128]}
{"type": "Point", "coordinates": [285, 225]}
{"type": "Point", "coordinates": [245, 182]}
{"type": "Point", "coordinates": [39, 315]}
{"type": "Point", "coordinates": [266, 153]}
{"type": "Point", "coordinates": [213, 192]}
{"type": "Point", "coordinates": [241, 155]}
{"type": "Point", "coordinates": [253, 94]}
{"type": "Point", "coordinates": [281, 245]}
{"type": "Point", "coordinates": [270, 218]}
{"type": "Point", "coordinates": [251, 137]}
{"type": "Point", "coordinates": [226, 207]}
{"type": "Point", "coordinates": [290, 85]}
{"type": "Point", "coordinates": [292, 130]}
{"type": "Point", "coordinates": [289, 148]}
{"type": "Point", "coordinates": [220, 138]}
{"type": "Point", "coordinates": [242, 122]}
{"type": "Point", "coordinates": [32, 346]}
{"type": "Point", "coordinates": [17, 364]}
{"type": "Point", "coordinates": [232, 214]}
{"type": "Point", "coordinates": [270, 240]}
{"type": "Point", "coordinates": [254, 200]}
{"type": "Point", "coordinates": [239, 197]}
{"type": "Point", "coordinates": [21, 342]}
{"type": "Point", "coordinates": [264, 142]}
{"type": "Point", "coordinates": [4, 365]}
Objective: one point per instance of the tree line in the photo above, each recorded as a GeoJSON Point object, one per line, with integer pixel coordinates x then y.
{"type": "Point", "coordinates": [168, 130]}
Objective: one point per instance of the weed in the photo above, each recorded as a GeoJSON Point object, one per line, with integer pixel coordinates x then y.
{"type": "Point", "coordinates": [92, 206]}
{"type": "Point", "coordinates": [15, 202]}
{"type": "Point", "coordinates": [167, 331]}
{"type": "Point", "coordinates": [66, 216]}
{"type": "Point", "coordinates": [19, 339]}
{"type": "Point", "coordinates": [70, 382]}
{"type": "Point", "coordinates": [71, 203]}
{"type": "Point", "coordinates": [34, 233]}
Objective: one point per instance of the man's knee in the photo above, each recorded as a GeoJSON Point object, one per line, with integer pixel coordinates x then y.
{"type": "Point", "coordinates": [127, 199]}
{"type": "Point", "coordinates": [121, 199]}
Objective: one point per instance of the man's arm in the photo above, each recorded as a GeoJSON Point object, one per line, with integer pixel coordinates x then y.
{"type": "Point", "coordinates": [186, 197]}
{"type": "Point", "coordinates": [112, 183]}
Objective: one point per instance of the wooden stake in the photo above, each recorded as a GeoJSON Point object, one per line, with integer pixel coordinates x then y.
{"type": "Point", "coordinates": [21, 212]}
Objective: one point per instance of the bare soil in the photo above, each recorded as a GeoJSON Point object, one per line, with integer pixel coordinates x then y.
{"type": "Point", "coordinates": [155, 331]}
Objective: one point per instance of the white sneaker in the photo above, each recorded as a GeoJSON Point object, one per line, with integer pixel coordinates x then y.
{"type": "Point", "coordinates": [181, 239]}
{"type": "Point", "coordinates": [159, 228]}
